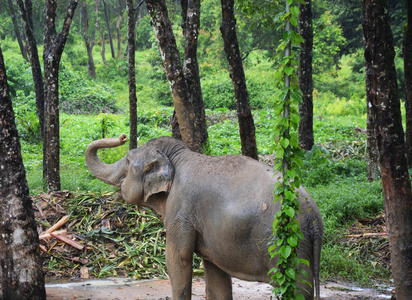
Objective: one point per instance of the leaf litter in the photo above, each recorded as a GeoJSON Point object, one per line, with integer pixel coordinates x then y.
{"type": "Point", "coordinates": [86, 235]}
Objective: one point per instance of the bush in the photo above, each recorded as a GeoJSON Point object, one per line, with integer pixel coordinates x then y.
{"type": "Point", "coordinates": [81, 96]}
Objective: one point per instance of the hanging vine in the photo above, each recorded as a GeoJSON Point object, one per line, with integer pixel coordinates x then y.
{"type": "Point", "coordinates": [286, 232]}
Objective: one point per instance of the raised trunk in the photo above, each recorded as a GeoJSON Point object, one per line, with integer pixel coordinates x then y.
{"type": "Point", "coordinates": [171, 63]}
{"type": "Point", "coordinates": [305, 132]}
{"type": "Point", "coordinates": [407, 58]}
{"type": "Point", "coordinates": [382, 97]}
{"type": "Point", "coordinates": [21, 275]}
{"type": "Point", "coordinates": [237, 74]}
{"type": "Point", "coordinates": [112, 173]}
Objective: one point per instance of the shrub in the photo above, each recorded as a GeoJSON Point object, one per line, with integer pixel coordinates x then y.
{"type": "Point", "coordinates": [81, 96]}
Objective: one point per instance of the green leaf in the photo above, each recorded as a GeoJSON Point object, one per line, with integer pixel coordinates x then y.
{"type": "Point", "coordinates": [300, 297]}
{"type": "Point", "coordinates": [289, 70]}
{"type": "Point", "coordinates": [291, 273]}
{"type": "Point", "coordinates": [285, 251]}
{"type": "Point", "coordinates": [304, 261]}
{"type": "Point", "coordinates": [284, 143]}
{"type": "Point", "coordinates": [290, 212]}
{"type": "Point", "coordinates": [290, 2]}
{"type": "Point", "coordinates": [293, 241]}
{"type": "Point", "coordinates": [294, 21]}
{"type": "Point", "coordinates": [295, 11]}
{"type": "Point", "coordinates": [279, 152]}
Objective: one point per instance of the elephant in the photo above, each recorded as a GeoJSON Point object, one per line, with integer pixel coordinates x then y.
{"type": "Point", "coordinates": [219, 207]}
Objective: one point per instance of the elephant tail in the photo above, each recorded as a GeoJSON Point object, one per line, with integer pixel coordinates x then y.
{"type": "Point", "coordinates": [317, 249]}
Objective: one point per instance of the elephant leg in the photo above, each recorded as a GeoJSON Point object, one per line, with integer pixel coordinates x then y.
{"type": "Point", "coordinates": [218, 282]}
{"type": "Point", "coordinates": [180, 241]}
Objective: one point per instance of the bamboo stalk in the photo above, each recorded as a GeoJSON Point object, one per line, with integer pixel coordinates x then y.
{"type": "Point", "coordinates": [59, 224]}
{"type": "Point", "coordinates": [68, 241]}
{"type": "Point", "coordinates": [47, 235]}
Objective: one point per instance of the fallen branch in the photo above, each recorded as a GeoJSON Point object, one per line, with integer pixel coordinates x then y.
{"type": "Point", "coordinates": [45, 235]}
{"type": "Point", "coordinates": [368, 234]}
{"type": "Point", "coordinates": [68, 241]}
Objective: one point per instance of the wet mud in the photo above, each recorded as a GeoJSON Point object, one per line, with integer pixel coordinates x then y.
{"type": "Point", "coordinates": [121, 288]}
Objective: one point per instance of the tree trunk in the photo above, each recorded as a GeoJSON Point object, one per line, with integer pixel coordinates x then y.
{"type": "Point", "coordinates": [305, 132]}
{"type": "Point", "coordinates": [27, 21]}
{"type": "Point", "coordinates": [106, 16]}
{"type": "Point", "coordinates": [191, 24]}
{"type": "Point", "coordinates": [174, 71]}
{"type": "Point", "coordinates": [372, 153]}
{"type": "Point", "coordinates": [382, 97]}
{"type": "Point", "coordinates": [103, 51]}
{"type": "Point", "coordinates": [131, 46]}
{"type": "Point", "coordinates": [17, 30]}
{"type": "Point", "coordinates": [407, 59]}
{"type": "Point", "coordinates": [53, 48]}
{"type": "Point", "coordinates": [96, 23]}
{"type": "Point", "coordinates": [237, 74]}
{"type": "Point", "coordinates": [119, 38]}
{"type": "Point", "coordinates": [21, 274]}
{"type": "Point", "coordinates": [89, 46]}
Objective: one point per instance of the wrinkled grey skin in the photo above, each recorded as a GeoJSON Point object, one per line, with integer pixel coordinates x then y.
{"type": "Point", "coordinates": [219, 207]}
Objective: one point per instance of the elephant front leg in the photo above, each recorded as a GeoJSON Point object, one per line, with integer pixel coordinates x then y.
{"type": "Point", "coordinates": [218, 282]}
{"type": "Point", "coordinates": [179, 257]}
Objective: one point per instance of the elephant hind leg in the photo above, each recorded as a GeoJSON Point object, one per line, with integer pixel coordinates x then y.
{"type": "Point", "coordinates": [218, 282]}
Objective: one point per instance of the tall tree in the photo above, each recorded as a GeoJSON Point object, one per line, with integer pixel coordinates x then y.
{"type": "Point", "coordinates": [89, 45]}
{"type": "Point", "coordinates": [119, 38]}
{"type": "Point", "coordinates": [407, 59]}
{"type": "Point", "coordinates": [109, 31]}
{"type": "Point", "coordinates": [191, 27]}
{"type": "Point", "coordinates": [21, 275]}
{"type": "Point", "coordinates": [382, 97]}
{"type": "Point", "coordinates": [305, 29]}
{"type": "Point", "coordinates": [17, 30]}
{"type": "Point", "coordinates": [171, 63]}
{"type": "Point", "coordinates": [26, 12]}
{"type": "Point", "coordinates": [52, 51]}
{"type": "Point", "coordinates": [237, 74]}
{"type": "Point", "coordinates": [132, 14]}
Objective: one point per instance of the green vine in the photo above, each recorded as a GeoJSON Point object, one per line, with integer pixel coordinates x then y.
{"type": "Point", "coordinates": [286, 232]}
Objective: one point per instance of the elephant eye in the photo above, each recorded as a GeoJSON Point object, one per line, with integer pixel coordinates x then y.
{"type": "Point", "coordinates": [127, 163]}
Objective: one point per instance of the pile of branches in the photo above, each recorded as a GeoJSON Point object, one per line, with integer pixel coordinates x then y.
{"type": "Point", "coordinates": [88, 235]}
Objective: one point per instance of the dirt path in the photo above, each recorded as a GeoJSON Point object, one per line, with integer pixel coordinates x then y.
{"type": "Point", "coordinates": [120, 288]}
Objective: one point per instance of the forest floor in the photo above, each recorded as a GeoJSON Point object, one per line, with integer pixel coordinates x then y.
{"type": "Point", "coordinates": [367, 236]}
{"type": "Point", "coordinates": [120, 288]}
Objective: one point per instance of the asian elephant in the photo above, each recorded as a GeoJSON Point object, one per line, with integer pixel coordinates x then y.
{"type": "Point", "coordinates": [220, 207]}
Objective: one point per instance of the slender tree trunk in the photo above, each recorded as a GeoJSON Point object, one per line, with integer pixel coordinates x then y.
{"type": "Point", "coordinates": [106, 16]}
{"type": "Point", "coordinates": [53, 48]}
{"type": "Point", "coordinates": [131, 46]}
{"type": "Point", "coordinates": [305, 132]}
{"type": "Point", "coordinates": [237, 74]}
{"type": "Point", "coordinates": [17, 30]}
{"type": "Point", "coordinates": [174, 71]}
{"type": "Point", "coordinates": [27, 21]}
{"type": "Point", "coordinates": [89, 46]}
{"type": "Point", "coordinates": [191, 24]}
{"type": "Point", "coordinates": [119, 38]}
{"type": "Point", "coordinates": [103, 51]}
{"type": "Point", "coordinates": [407, 59]}
{"type": "Point", "coordinates": [96, 23]}
{"type": "Point", "coordinates": [383, 98]}
{"type": "Point", "coordinates": [21, 275]}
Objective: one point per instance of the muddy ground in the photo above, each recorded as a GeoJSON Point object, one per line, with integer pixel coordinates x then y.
{"type": "Point", "coordinates": [120, 288]}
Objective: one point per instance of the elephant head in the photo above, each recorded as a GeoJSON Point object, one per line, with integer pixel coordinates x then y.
{"type": "Point", "coordinates": [143, 175]}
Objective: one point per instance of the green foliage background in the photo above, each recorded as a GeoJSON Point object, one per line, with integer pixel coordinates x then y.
{"type": "Point", "coordinates": [334, 171]}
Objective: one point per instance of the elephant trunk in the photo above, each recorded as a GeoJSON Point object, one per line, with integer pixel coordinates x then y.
{"type": "Point", "coordinates": [109, 173]}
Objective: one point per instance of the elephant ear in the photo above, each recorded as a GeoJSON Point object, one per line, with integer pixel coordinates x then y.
{"type": "Point", "coordinates": [158, 175]}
